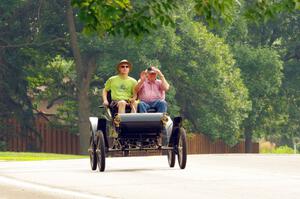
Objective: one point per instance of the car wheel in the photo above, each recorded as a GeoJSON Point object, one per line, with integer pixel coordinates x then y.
{"type": "Point", "coordinates": [171, 158]}
{"type": "Point", "coordinates": [182, 148]}
{"type": "Point", "coordinates": [93, 155]}
{"type": "Point", "coordinates": [100, 151]}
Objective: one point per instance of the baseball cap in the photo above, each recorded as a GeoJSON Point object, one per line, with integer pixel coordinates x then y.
{"type": "Point", "coordinates": [124, 61]}
{"type": "Point", "coordinates": [150, 70]}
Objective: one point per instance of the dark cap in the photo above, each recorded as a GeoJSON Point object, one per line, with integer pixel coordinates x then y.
{"type": "Point", "coordinates": [150, 70]}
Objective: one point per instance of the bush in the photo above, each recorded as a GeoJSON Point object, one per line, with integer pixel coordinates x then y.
{"type": "Point", "coordinates": [283, 150]}
{"type": "Point", "coordinates": [266, 147]}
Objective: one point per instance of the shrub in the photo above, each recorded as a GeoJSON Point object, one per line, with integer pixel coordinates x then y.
{"type": "Point", "coordinates": [283, 150]}
{"type": "Point", "coordinates": [266, 147]}
{"type": "Point", "coordinates": [269, 147]}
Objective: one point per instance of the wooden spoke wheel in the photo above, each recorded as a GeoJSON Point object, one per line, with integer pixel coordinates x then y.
{"type": "Point", "coordinates": [171, 157]}
{"type": "Point", "coordinates": [100, 151]}
{"type": "Point", "coordinates": [182, 148]}
{"type": "Point", "coordinates": [93, 155]}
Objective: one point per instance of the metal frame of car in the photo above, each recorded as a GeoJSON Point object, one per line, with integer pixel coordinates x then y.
{"type": "Point", "coordinates": [137, 132]}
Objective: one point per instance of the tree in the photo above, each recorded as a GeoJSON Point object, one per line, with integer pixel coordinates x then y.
{"type": "Point", "coordinates": [122, 17]}
{"type": "Point", "coordinates": [37, 38]}
{"type": "Point", "coordinates": [55, 82]}
{"type": "Point", "coordinates": [208, 74]}
{"type": "Point", "coordinates": [209, 89]}
{"type": "Point", "coordinates": [28, 40]}
{"type": "Point", "coordinates": [14, 101]}
{"type": "Point", "coordinates": [281, 34]}
{"type": "Point", "coordinates": [125, 17]}
{"type": "Point", "coordinates": [108, 17]}
{"type": "Point", "coordinates": [261, 70]}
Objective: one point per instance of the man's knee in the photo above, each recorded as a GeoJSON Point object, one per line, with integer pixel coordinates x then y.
{"type": "Point", "coordinates": [161, 106]}
{"type": "Point", "coordinates": [162, 103]}
{"type": "Point", "coordinates": [142, 107]}
{"type": "Point", "coordinates": [135, 103]}
{"type": "Point", "coordinates": [122, 103]}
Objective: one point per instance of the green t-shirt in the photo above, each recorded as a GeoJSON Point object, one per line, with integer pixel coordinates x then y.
{"type": "Point", "coordinates": [121, 89]}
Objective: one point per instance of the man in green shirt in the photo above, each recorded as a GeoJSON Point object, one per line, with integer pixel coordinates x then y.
{"type": "Point", "coordinates": [122, 88]}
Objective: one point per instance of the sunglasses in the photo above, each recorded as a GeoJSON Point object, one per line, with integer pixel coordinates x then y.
{"type": "Point", "coordinates": [124, 66]}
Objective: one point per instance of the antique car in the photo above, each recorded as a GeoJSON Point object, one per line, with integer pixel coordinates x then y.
{"type": "Point", "coordinates": [136, 132]}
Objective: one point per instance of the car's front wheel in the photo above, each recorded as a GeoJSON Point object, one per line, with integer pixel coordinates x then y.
{"type": "Point", "coordinates": [182, 148]}
{"type": "Point", "coordinates": [93, 155]}
{"type": "Point", "coordinates": [171, 157]}
{"type": "Point", "coordinates": [100, 151]}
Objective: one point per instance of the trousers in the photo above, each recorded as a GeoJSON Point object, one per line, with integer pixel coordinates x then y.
{"type": "Point", "coordinates": [160, 106]}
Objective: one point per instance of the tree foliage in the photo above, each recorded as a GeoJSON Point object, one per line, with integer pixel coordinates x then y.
{"type": "Point", "coordinates": [124, 17]}
{"type": "Point", "coordinates": [207, 73]}
{"type": "Point", "coordinates": [213, 86]}
{"type": "Point", "coordinates": [208, 89]}
{"type": "Point", "coordinates": [280, 33]}
{"type": "Point", "coordinates": [262, 73]}
{"type": "Point", "coordinates": [15, 28]}
{"type": "Point", "coordinates": [25, 40]}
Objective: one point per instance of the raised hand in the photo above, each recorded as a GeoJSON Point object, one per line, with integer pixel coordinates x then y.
{"type": "Point", "coordinates": [157, 71]}
{"type": "Point", "coordinates": [143, 75]}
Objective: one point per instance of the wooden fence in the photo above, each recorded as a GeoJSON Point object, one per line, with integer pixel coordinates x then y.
{"type": "Point", "coordinates": [59, 140]}
{"type": "Point", "coordinates": [200, 143]}
{"type": "Point", "coordinates": [49, 139]}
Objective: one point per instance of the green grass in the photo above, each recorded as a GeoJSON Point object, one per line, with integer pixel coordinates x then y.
{"type": "Point", "coordinates": [24, 156]}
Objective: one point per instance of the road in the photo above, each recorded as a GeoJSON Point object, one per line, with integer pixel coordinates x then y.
{"type": "Point", "coordinates": [206, 176]}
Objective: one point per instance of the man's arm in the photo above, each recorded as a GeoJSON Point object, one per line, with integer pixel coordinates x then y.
{"type": "Point", "coordinates": [140, 82]}
{"type": "Point", "coordinates": [164, 84]}
{"type": "Point", "coordinates": [134, 96]}
{"type": "Point", "coordinates": [104, 97]}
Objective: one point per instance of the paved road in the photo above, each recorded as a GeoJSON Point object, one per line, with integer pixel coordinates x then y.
{"type": "Point", "coordinates": [206, 176]}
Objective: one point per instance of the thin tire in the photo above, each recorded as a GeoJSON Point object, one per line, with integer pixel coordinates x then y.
{"type": "Point", "coordinates": [100, 151]}
{"type": "Point", "coordinates": [182, 150]}
{"type": "Point", "coordinates": [93, 155]}
{"type": "Point", "coordinates": [171, 158]}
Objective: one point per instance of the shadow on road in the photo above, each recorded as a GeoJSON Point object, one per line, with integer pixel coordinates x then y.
{"type": "Point", "coordinates": [137, 170]}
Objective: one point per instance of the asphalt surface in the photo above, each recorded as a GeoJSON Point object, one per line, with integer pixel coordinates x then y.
{"type": "Point", "coordinates": [206, 176]}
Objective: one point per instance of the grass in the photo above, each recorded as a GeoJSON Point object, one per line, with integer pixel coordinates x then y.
{"type": "Point", "coordinates": [24, 156]}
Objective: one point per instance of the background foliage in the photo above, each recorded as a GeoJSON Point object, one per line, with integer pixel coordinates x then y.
{"type": "Point", "coordinates": [233, 65]}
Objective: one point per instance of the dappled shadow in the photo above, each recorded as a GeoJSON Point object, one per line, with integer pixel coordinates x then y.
{"type": "Point", "coordinates": [120, 170]}
{"type": "Point", "coordinates": [138, 169]}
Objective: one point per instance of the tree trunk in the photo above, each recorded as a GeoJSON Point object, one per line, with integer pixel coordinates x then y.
{"type": "Point", "coordinates": [248, 140]}
{"type": "Point", "coordinates": [83, 115]}
{"type": "Point", "coordinates": [84, 74]}
{"type": "Point", "coordinates": [84, 104]}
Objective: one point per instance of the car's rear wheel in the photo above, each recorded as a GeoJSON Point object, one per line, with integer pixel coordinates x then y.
{"type": "Point", "coordinates": [171, 157]}
{"type": "Point", "coordinates": [100, 151]}
{"type": "Point", "coordinates": [93, 155]}
{"type": "Point", "coordinates": [182, 148]}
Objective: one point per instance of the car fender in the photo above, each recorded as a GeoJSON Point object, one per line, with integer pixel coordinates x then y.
{"type": "Point", "coordinates": [94, 125]}
{"type": "Point", "coordinates": [169, 128]}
